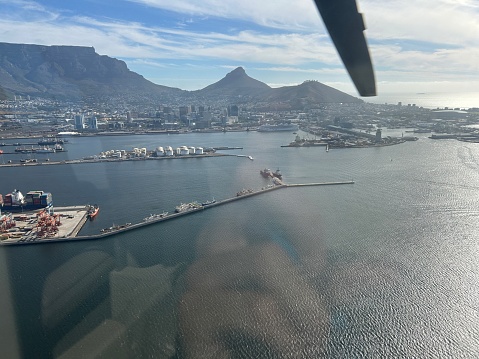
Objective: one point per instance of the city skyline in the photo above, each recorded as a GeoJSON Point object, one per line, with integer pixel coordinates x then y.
{"type": "Point", "coordinates": [423, 46]}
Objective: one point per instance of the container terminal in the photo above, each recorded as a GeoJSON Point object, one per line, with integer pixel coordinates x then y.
{"type": "Point", "coordinates": [62, 224]}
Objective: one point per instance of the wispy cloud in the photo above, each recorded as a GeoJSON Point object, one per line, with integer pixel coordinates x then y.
{"type": "Point", "coordinates": [280, 14]}
{"type": "Point", "coordinates": [424, 40]}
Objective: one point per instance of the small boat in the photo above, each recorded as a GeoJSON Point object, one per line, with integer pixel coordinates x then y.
{"type": "Point", "coordinates": [181, 207]}
{"type": "Point", "coordinates": [92, 211]}
{"type": "Point", "coordinates": [184, 207]}
{"type": "Point", "coordinates": [153, 217]}
{"type": "Point", "coordinates": [251, 158]}
{"type": "Point", "coordinates": [207, 203]}
{"type": "Point", "coordinates": [45, 149]}
{"type": "Point", "coordinates": [114, 228]}
{"type": "Point", "coordinates": [59, 148]}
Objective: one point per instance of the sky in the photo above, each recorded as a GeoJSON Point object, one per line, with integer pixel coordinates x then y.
{"type": "Point", "coordinates": [418, 46]}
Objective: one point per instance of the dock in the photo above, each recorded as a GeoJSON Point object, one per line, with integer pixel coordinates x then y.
{"type": "Point", "coordinates": [78, 215]}
{"type": "Point", "coordinates": [31, 163]}
{"type": "Point", "coordinates": [27, 229]}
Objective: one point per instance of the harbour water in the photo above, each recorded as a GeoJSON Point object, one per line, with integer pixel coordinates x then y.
{"type": "Point", "coordinates": [386, 267]}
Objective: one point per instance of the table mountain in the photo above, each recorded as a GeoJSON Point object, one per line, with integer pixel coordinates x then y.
{"type": "Point", "coordinates": [69, 72]}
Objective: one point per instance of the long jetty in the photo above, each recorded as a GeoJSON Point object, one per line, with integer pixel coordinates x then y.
{"type": "Point", "coordinates": [319, 184]}
{"type": "Point", "coordinates": [130, 227]}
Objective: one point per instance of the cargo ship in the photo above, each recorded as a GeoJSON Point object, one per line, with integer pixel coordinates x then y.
{"type": "Point", "coordinates": [280, 127]}
{"type": "Point", "coordinates": [43, 149]}
{"type": "Point", "coordinates": [17, 202]}
{"type": "Point", "coordinates": [51, 141]}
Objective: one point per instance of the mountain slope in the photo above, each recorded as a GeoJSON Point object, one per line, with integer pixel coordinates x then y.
{"type": "Point", "coordinates": [237, 86]}
{"type": "Point", "coordinates": [236, 83]}
{"type": "Point", "coordinates": [68, 71]}
{"type": "Point", "coordinates": [313, 91]}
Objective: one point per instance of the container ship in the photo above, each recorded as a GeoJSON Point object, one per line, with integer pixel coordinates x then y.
{"type": "Point", "coordinates": [16, 201]}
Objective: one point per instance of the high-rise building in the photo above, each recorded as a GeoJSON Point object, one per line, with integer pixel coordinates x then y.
{"type": "Point", "coordinates": [79, 121]}
{"type": "Point", "coordinates": [233, 110]}
{"type": "Point", "coordinates": [93, 122]}
{"type": "Point", "coordinates": [378, 135]}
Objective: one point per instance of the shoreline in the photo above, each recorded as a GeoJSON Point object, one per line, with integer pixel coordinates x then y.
{"type": "Point", "coordinates": [119, 133]}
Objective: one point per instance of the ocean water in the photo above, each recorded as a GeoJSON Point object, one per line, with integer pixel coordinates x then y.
{"type": "Point", "coordinates": [432, 100]}
{"type": "Point", "coordinates": [386, 267]}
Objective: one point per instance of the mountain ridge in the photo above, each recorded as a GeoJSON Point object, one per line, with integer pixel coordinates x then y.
{"type": "Point", "coordinates": [78, 72]}
{"type": "Point", "coordinates": [67, 71]}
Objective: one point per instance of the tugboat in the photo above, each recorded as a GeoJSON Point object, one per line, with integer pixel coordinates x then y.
{"type": "Point", "coordinates": [266, 173]}
{"type": "Point", "coordinates": [277, 174]}
{"type": "Point", "coordinates": [93, 211]}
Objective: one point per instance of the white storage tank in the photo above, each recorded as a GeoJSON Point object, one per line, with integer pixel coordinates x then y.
{"type": "Point", "coordinates": [169, 151]}
{"type": "Point", "coordinates": [191, 150]}
{"type": "Point", "coordinates": [184, 151]}
{"type": "Point", "coordinates": [199, 151]}
{"type": "Point", "coordinates": [160, 152]}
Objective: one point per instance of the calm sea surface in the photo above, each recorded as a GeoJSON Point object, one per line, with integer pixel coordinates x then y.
{"type": "Point", "coordinates": [387, 267]}
{"type": "Point", "coordinates": [430, 100]}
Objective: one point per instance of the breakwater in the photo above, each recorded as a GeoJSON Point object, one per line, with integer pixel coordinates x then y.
{"type": "Point", "coordinates": [130, 227]}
